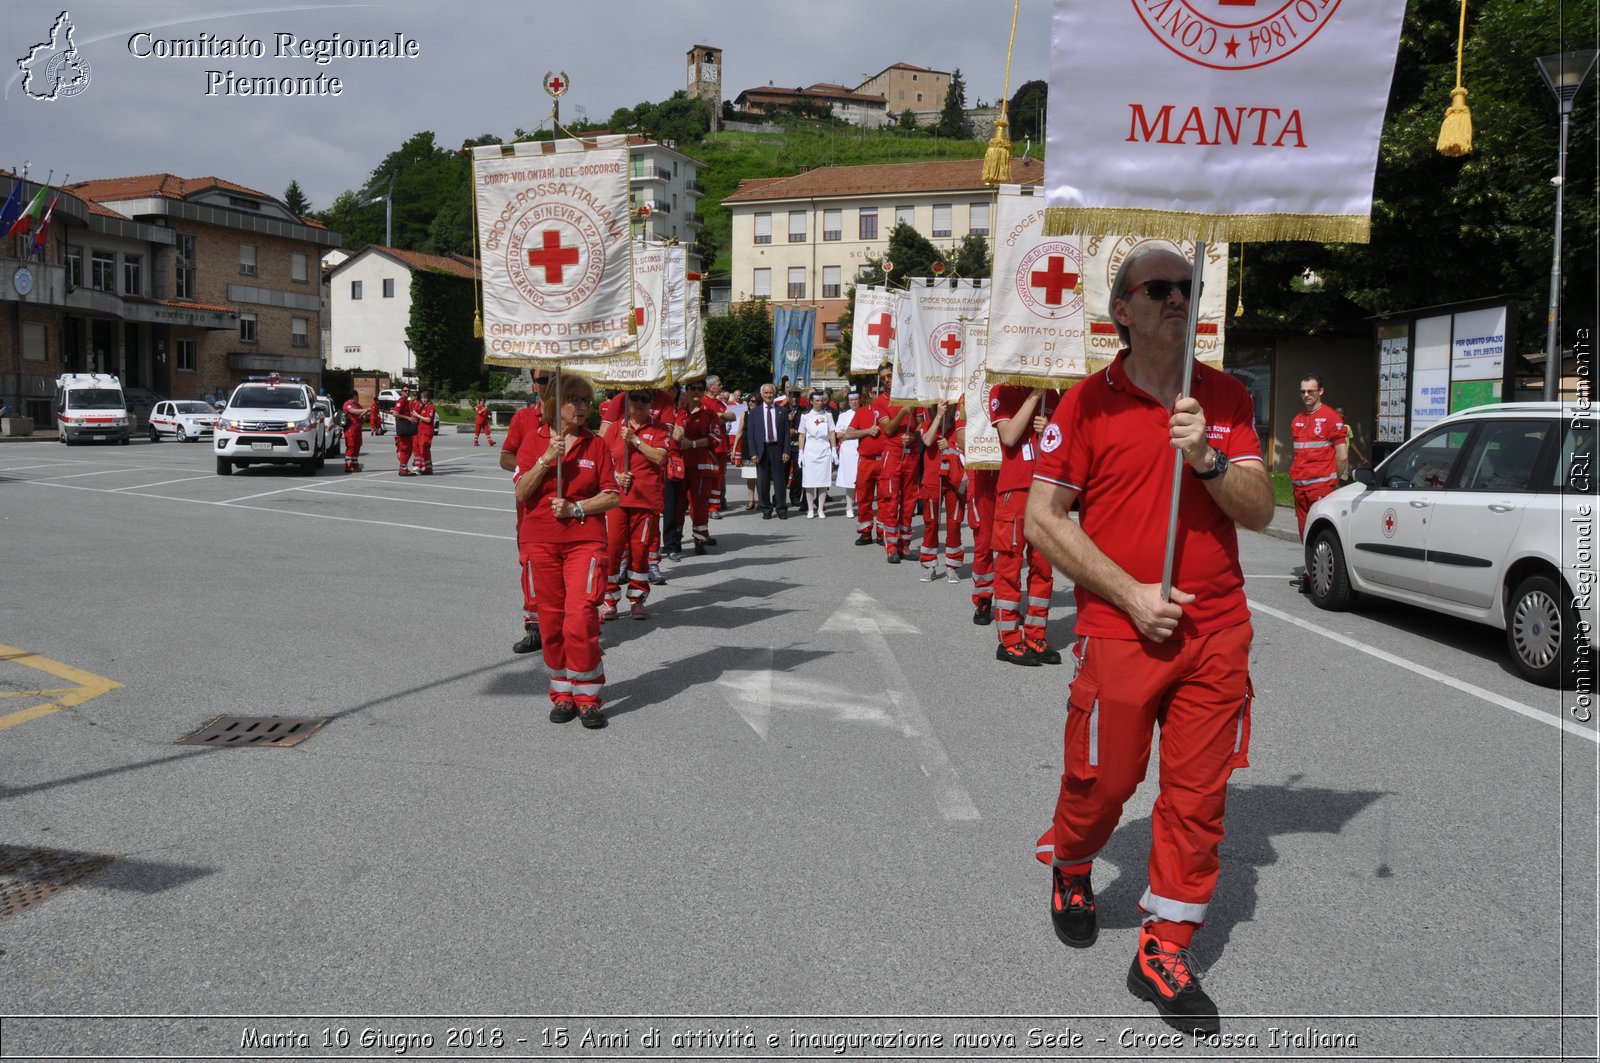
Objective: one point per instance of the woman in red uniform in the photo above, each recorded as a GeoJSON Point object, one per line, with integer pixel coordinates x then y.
{"type": "Point", "coordinates": [564, 546]}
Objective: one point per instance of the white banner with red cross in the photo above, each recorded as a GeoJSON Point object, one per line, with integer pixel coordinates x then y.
{"type": "Point", "coordinates": [553, 236]}
{"type": "Point", "coordinates": [1037, 326]}
{"type": "Point", "coordinates": [933, 349]}
{"type": "Point", "coordinates": [1218, 119]}
{"type": "Point", "coordinates": [1103, 256]}
{"type": "Point", "coordinates": [643, 363]}
{"type": "Point", "coordinates": [872, 329]}
{"type": "Point", "coordinates": [982, 447]}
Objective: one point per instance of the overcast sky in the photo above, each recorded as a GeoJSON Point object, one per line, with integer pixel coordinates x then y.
{"type": "Point", "coordinates": [479, 70]}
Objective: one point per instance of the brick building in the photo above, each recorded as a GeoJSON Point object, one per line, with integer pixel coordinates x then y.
{"type": "Point", "coordinates": [212, 282]}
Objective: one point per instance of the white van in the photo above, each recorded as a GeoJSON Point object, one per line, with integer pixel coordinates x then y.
{"type": "Point", "coordinates": [91, 406]}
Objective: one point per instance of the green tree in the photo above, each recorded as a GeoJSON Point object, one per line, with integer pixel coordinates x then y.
{"type": "Point", "coordinates": [739, 345]}
{"type": "Point", "coordinates": [295, 199]}
{"type": "Point", "coordinates": [1447, 229]}
{"type": "Point", "coordinates": [910, 254]}
{"type": "Point", "coordinates": [907, 120]}
{"type": "Point", "coordinates": [447, 355]}
{"type": "Point", "coordinates": [972, 258]}
{"type": "Point", "coordinates": [953, 120]}
{"type": "Point", "coordinates": [1026, 110]}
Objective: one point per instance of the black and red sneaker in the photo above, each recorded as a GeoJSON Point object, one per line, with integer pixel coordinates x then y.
{"type": "Point", "coordinates": [1163, 974]}
{"type": "Point", "coordinates": [983, 614]}
{"type": "Point", "coordinates": [592, 717]}
{"type": "Point", "coordinates": [1072, 909]}
{"type": "Point", "coordinates": [1041, 649]}
{"type": "Point", "coordinates": [562, 711]}
{"type": "Point", "coordinates": [1018, 654]}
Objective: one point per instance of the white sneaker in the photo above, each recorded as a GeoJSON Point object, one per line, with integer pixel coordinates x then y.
{"type": "Point", "coordinates": [950, 576]}
{"type": "Point", "coordinates": [823, 515]}
{"type": "Point", "coordinates": [930, 574]}
{"type": "Point", "coordinates": [810, 514]}
{"type": "Point", "coordinates": [849, 512]}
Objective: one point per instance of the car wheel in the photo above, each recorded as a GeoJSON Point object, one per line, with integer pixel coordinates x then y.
{"type": "Point", "coordinates": [155, 437]}
{"type": "Point", "coordinates": [1325, 568]}
{"type": "Point", "coordinates": [180, 435]}
{"type": "Point", "coordinates": [1538, 619]}
{"type": "Point", "coordinates": [224, 467]}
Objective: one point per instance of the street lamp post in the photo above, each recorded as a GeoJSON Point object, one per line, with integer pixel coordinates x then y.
{"type": "Point", "coordinates": [1566, 74]}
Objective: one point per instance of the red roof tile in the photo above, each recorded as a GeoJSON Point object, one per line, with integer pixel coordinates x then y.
{"type": "Point", "coordinates": [433, 263]}
{"type": "Point", "coordinates": [164, 185]}
{"type": "Point", "coordinates": [960, 175]}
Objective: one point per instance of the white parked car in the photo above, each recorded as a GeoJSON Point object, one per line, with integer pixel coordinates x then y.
{"type": "Point", "coordinates": [183, 420]}
{"type": "Point", "coordinates": [273, 421]}
{"type": "Point", "coordinates": [1488, 515]}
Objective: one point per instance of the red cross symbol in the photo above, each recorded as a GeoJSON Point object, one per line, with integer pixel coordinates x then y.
{"type": "Point", "coordinates": [1054, 280]}
{"type": "Point", "coordinates": [1388, 522]}
{"type": "Point", "coordinates": [556, 84]}
{"type": "Point", "coordinates": [638, 316]}
{"type": "Point", "coordinates": [882, 330]}
{"type": "Point", "coordinates": [553, 257]}
{"type": "Point", "coordinates": [950, 345]}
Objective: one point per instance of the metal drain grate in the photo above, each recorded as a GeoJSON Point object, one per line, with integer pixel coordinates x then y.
{"type": "Point", "coordinates": [255, 731]}
{"type": "Point", "coordinates": [30, 876]}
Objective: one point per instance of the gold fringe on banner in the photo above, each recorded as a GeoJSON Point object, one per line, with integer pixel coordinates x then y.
{"type": "Point", "coordinates": [1212, 228]}
{"type": "Point", "coordinates": [1455, 135]}
{"type": "Point", "coordinates": [986, 465]}
{"type": "Point", "coordinates": [1057, 383]}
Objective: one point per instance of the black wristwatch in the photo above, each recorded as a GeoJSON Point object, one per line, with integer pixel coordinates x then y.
{"type": "Point", "coordinates": [1219, 465]}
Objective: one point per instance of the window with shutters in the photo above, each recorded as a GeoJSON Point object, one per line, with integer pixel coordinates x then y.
{"type": "Point", "coordinates": [763, 228]}
{"type": "Point", "coordinates": [941, 219]}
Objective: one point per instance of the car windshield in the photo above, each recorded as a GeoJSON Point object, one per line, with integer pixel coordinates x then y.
{"type": "Point", "coordinates": [269, 398]}
{"type": "Point", "coordinates": [95, 399]}
{"type": "Point", "coordinates": [193, 407]}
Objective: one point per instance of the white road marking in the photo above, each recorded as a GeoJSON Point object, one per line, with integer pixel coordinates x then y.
{"type": "Point", "coordinates": [509, 510]}
{"type": "Point", "coordinates": [274, 512]}
{"type": "Point", "coordinates": [116, 469]}
{"type": "Point", "coordinates": [1428, 673]}
{"type": "Point", "coordinates": [162, 483]}
{"type": "Point", "coordinates": [862, 616]}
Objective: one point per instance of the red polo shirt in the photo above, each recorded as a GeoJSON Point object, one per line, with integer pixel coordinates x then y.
{"type": "Point", "coordinates": [614, 409]}
{"type": "Point", "coordinates": [1315, 436]}
{"type": "Point", "coordinates": [648, 479]}
{"type": "Point", "coordinates": [878, 412]}
{"type": "Point", "coordinates": [586, 471]}
{"type": "Point", "coordinates": [1111, 442]}
{"type": "Point", "coordinates": [1016, 463]}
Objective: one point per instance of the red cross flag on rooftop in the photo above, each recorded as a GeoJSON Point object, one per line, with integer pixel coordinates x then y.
{"type": "Point", "coordinates": [1218, 119]}
{"type": "Point", "coordinates": [553, 229]}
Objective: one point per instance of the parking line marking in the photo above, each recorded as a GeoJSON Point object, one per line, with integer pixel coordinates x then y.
{"type": "Point", "coordinates": [1428, 673]}
{"type": "Point", "coordinates": [162, 483]}
{"type": "Point", "coordinates": [263, 494]}
{"type": "Point", "coordinates": [87, 686]}
{"type": "Point", "coordinates": [414, 501]}
{"type": "Point", "coordinates": [280, 512]}
{"type": "Point", "coordinates": [117, 469]}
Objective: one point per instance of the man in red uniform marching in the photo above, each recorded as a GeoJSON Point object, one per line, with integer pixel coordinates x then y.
{"type": "Point", "coordinates": [1321, 450]}
{"type": "Point", "coordinates": [869, 468]}
{"type": "Point", "coordinates": [354, 414]}
{"type": "Point", "coordinates": [405, 410]}
{"type": "Point", "coordinates": [717, 402]}
{"type": "Point", "coordinates": [523, 423]}
{"type": "Point", "coordinates": [1019, 415]}
{"type": "Point", "coordinates": [638, 453]}
{"type": "Point", "coordinates": [702, 432]}
{"type": "Point", "coordinates": [897, 476]}
{"type": "Point", "coordinates": [980, 518]}
{"type": "Point", "coordinates": [427, 428]}
{"type": "Point", "coordinates": [943, 488]}
{"type": "Point", "coordinates": [1181, 660]}
{"type": "Point", "coordinates": [480, 421]}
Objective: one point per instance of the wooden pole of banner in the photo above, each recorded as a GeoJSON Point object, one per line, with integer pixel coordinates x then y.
{"type": "Point", "coordinates": [562, 430]}
{"type": "Point", "coordinates": [1196, 276]}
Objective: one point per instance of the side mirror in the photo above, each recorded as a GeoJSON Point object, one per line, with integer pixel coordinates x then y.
{"type": "Point", "coordinates": [1365, 477]}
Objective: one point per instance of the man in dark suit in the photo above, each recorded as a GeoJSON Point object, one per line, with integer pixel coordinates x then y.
{"type": "Point", "coordinates": [766, 443]}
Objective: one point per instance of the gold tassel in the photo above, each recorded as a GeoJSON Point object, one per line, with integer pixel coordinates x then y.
{"type": "Point", "coordinates": [1238, 311]}
{"type": "Point", "coordinates": [997, 160]}
{"type": "Point", "coordinates": [477, 324]}
{"type": "Point", "coordinates": [1455, 135]}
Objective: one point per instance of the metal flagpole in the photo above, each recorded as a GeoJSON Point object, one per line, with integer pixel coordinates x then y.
{"type": "Point", "coordinates": [562, 429]}
{"type": "Point", "coordinates": [1197, 273]}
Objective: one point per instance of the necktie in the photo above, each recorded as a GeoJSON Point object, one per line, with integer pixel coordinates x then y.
{"type": "Point", "coordinates": [772, 425]}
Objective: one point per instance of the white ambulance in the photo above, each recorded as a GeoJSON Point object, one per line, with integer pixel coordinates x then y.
{"type": "Point", "coordinates": [91, 406]}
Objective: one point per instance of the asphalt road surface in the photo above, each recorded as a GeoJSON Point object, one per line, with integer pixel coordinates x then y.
{"type": "Point", "coordinates": [808, 831]}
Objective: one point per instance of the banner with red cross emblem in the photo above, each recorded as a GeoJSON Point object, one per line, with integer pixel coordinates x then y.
{"type": "Point", "coordinates": [982, 438]}
{"type": "Point", "coordinates": [643, 364]}
{"type": "Point", "coordinates": [933, 352]}
{"type": "Point", "coordinates": [1037, 324]}
{"type": "Point", "coordinates": [1218, 119]}
{"type": "Point", "coordinates": [553, 234]}
{"type": "Point", "coordinates": [872, 333]}
{"type": "Point", "coordinates": [1103, 256]}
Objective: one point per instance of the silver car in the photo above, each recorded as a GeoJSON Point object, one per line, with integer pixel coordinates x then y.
{"type": "Point", "coordinates": [1488, 515]}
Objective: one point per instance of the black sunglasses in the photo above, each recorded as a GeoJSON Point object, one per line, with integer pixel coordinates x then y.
{"type": "Point", "coordinates": [1158, 291]}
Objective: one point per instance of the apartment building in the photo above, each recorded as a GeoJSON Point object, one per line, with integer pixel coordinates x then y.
{"type": "Point", "coordinates": [804, 239]}
{"type": "Point", "coordinates": [369, 302]}
{"type": "Point", "coordinates": [667, 181]}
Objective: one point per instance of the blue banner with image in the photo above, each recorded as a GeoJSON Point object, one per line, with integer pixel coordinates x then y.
{"type": "Point", "coordinates": [793, 332]}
